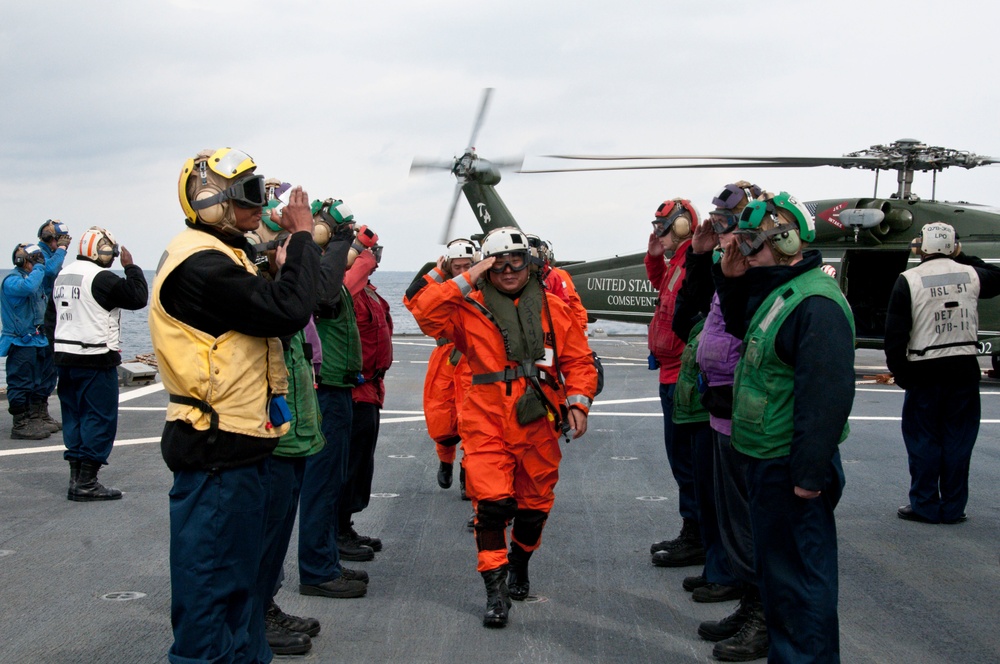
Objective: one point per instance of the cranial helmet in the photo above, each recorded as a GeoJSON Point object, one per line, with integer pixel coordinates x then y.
{"type": "Point", "coordinates": [52, 229]}
{"type": "Point", "coordinates": [937, 238]}
{"type": "Point", "coordinates": [213, 181]}
{"type": "Point", "coordinates": [327, 214]}
{"type": "Point", "coordinates": [736, 196]}
{"type": "Point", "coordinates": [761, 218]}
{"type": "Point", "coordinates": [98, 245]}
{"type": "Point", "coordinates": [505, 240]}
{"type": "Point", "coordinates": [677, 215]}
{"type": "Point", "coordinates": [27, 253]}
{"type": "Point", "coordinates": [460, 248]}
{"type": "Point", "coordinates": [273, 188]}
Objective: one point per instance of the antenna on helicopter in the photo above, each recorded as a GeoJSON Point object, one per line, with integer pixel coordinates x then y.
{"type": "Point", "coordinates": [468, 167]}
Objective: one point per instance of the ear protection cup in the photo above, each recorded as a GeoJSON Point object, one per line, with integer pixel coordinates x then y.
{"type": "Point", "coordinates": [18, 257]}
{"type": "Point", "coordinates": [681, 227]}
{"type": "Point", "coordinates": [322, 233]}
{"type": "Point", "coordinates": [213, 214]}
{"type": "Point", "coordinates": [787, 243]}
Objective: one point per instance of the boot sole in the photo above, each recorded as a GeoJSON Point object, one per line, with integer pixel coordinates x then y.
{"type": "Point", "coordinates": [715, 637]}
{"type": "Point", "coordinates": [749, 657]}
{"type": "Point", "coordinates": [357, 557]}
{"type": "Point", "coordinates": [495, 623]}
{"type": "Point", "coordinates": [319, 592]}
{"type": "Point", "coordinates": [91, 499]}
{"type": "Point", "coordinates": [682, 562]}
{"type": "Point", "coordinates": [291, 650]}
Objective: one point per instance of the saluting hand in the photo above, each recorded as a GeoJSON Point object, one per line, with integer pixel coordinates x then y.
{"type": "Point", "coordinates": [733, 263]}
{"type": "Point", "coordinates": [704, 239]}
{"type": "Point", "coordinates": [655, 249]}
{"type": "Point", "coordinates": [476, 272]}
{"type": "Point", "coordinates": [126, 257]}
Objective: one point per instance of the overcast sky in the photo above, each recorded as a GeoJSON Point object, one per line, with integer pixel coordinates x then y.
{"type": "Point", "coordinates": [104, 101]}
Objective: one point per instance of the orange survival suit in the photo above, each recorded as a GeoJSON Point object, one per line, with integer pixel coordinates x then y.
{"type": "Point", "coordinates": [558, 281]}
{"type": "Point", "coordinates": [511, 468]}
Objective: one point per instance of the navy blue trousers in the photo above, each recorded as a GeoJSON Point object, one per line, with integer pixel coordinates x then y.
{"type": "Point", "coordinates": [680, 456]}
{"type": "Point", "coordinates": [25, 366]}
{"type": "Point", "coordinates": [940, 427]}
{"type": "Point", "coordinates": [717, 568]}
{"type": "Point", "coordinates": [89, 401]}
{"type": "Point", "coordinates": [795, 541]}
{"type": "Point", "coordinates": [216, 533]}
{"type": "Point", "coordinates": [49, 374]}
{"type": "Point", "coordinates": [322, 484]}
{"type": "Point", "coordinates": [357, 490]}
{"type": "Point", "coordinates": [732, 507]}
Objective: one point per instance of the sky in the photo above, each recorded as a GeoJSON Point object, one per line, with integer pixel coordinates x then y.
{"type": "Point", "coordinates": [104, 101]}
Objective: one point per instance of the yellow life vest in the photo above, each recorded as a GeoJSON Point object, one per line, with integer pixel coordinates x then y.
{"type": "Point", "coordinates": [233, 374]}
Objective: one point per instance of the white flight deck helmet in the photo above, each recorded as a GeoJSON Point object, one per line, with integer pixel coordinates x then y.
{"type": "Point", "coordinates": [460, 248]}
{"type": "Point", "coordinates": [937, 238]}
{"type": "Point", "coordinates": [504, 241]}
{"type": "Point", "coordinates": [98, 245]}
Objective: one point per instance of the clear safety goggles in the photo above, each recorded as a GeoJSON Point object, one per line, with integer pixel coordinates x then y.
{"type": "Point", "coordinates": [751, 240]}
{"type": "Point", "coordinates": [723, 221]}
{"type": "Point", "coordinates": [516, 261]}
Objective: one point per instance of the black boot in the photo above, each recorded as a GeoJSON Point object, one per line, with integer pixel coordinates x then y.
{"type": "Point", "coordinates": [719, 630]}
{"type": "Point", "coordinates": [27, 428]}
{"type": "Point", "coordinates": [275, 616]}
{"type": "Point", "coordinates": [40, 413]}
{"type": "Point", "coordinates": [518, 585]}
{"type": "Point", "coordinates": [74, 474]}
{"type": "Point", "coordinates": [497, 597]}
{"type": "Point", "coordinates": [750, 642]}
{"type": "Point", "coordinates": [351, 549]}
{"type": "Point", "coordinates": [445, 471]}
{"type": "Point", "coordinates": [87, 487]}
{"type": "Point", "coordinates": [374, 543]}
{"type": "Point", "coordinates": [284, 641]}
{"type": "Point", "coordinates": [461, 482]}
{"type": "Point", "coordinates": [687, 551]}
{"type": "Point", "coordinates": [666, 545]}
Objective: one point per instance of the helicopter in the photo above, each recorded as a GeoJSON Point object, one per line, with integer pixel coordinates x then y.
{"type": "Point", "coordinates": [866, 238]}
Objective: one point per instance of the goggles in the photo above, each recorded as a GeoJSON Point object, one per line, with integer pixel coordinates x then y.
{"type": "Point", "coordinates": [33, 254]}
{"type": "Point", "coordinates": [751, 241]}
{"type": "Point", "coordinates": [723, 221]}
{"type": "Point", "coordinates": [247, 193]}
{"type": "Point", "coordinates": [516, 261]}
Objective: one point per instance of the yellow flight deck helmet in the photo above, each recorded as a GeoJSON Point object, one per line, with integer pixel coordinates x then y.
{"type": "Point", "coordinates": [213, 181]}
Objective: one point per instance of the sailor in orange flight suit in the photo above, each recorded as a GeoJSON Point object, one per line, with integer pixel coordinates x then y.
{"type": "Point", "coordinates": [512, 467]}
{"type": "Point", "coordinates": [446, 368]}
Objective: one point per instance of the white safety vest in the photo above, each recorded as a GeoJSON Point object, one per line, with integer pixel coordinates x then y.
{"type": "Point", "coordinates": [83, 327]}
{"type": "Point", "coordinates": [944, 304]}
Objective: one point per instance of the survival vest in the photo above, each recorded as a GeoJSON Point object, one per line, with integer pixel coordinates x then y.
{"type": "Point", "coordinates": [763, 393]}
{"type": "Point", "coordinates": [944, 303]}
{"type": "Point", "coordinates": [219, 382]}
{"type": "Point", "coordinates": [341, 342]}
{"type": "Point", "coordinates": [83, 327]}
{"type": "Point", "coordinates": [687, 397]}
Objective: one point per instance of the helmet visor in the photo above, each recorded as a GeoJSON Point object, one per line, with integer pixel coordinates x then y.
{"type": "Point", "coordinates": [229, 163]}
{"type": "Point", "coordinates": [516, 261]}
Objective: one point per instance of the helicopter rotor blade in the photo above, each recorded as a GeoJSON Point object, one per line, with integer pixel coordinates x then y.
{"type": "Point", "coordinates": [419, 165]}
{"type": "Point", "coordinates": [510, 163]}
{"type": "Point", "coordinates": [483, 105]}
{"type": "Point", "coordinates": [449, 221]}
{"type": "Point", "coordinates": [791, 161]}
{"type": "Point", "coordinates": [653, 167]}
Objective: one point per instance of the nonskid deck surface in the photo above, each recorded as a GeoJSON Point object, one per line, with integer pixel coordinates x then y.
{"type": "Point", "coordinates": [908, 592]}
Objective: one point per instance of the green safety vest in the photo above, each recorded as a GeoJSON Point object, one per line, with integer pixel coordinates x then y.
{"type": "Point", "coordinates": [763, 391]}
{"type": "Point", "coordinates": [304, 437]}
{"type": "Point", "coordinates": [341, 343]}
{"type": "Point", "coordinates": [687, 398]}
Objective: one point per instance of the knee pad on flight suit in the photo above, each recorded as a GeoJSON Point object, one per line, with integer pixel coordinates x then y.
{"type": "Point", "coordinates": [492, 517]}
{"type": "Point", "coordinates": [528, 525]}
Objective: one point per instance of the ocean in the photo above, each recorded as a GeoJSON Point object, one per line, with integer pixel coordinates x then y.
{"type": "Point", "coordinates": [390, 285]}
